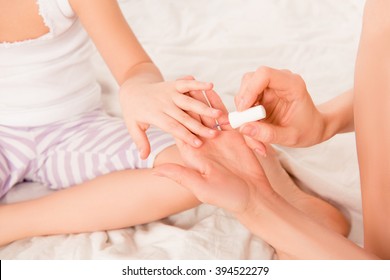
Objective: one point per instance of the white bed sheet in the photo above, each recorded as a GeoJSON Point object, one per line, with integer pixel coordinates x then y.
{"type": "Point", "coordinates": [218, 41]}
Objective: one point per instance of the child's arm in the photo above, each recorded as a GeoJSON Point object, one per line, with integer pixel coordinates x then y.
{"type": "Point", "coordinates": [145, 98]}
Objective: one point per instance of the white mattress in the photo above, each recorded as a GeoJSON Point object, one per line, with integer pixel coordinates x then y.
{"type": "Point", "coordinates": [219, 41]}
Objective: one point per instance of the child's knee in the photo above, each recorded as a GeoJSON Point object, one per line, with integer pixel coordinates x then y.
{"type": "Point", "coordinates": [169, 155]}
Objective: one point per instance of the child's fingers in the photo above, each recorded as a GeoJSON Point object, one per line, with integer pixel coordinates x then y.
{"type": "Point", "coordinates": [140, 139]}
{"type": "Point", "coordinates": [188, 103]}
{"type": "Point", "coordinates": [215, 102]}
{"type": "Point", "coordinates": [245, 81]}
{"type": "Point", "coordinates": [189, 77]}
{"type": "Point", "coordinates": [193, 124]}
{"type": "Point", "coordinates": [174, 127]}
{"type": "Point", "coordinates": [184, 86]}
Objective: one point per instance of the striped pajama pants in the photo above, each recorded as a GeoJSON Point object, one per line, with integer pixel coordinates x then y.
{"type": "Point", "coordinates": [70, 152]}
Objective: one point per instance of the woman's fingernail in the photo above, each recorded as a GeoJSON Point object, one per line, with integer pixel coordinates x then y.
{"type": "Point", "coordinates": [215, 112]}
{"type": "Point", "coordinates": [249, 130]}
{"type": "Point", "coordinates": [157, 173]}
{"type": "Point", "coordinates": [241, 104]}
{"type": "Point", "coordinates": [197, 142]}
{"type": "Point", "coordinates": [260, 152]}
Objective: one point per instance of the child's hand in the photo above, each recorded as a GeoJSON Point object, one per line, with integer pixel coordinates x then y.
{"type": "Point", "coordinates": [165, 105]}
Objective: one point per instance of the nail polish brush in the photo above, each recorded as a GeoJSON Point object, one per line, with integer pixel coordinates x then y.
{"type": "Point", "coordinates": [237, 119]}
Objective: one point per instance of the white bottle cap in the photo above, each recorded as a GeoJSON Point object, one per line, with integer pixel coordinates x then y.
{"type": "Point", "coordinates": [237, 119]}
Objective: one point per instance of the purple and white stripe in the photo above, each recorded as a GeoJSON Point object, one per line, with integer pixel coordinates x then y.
{"type": "Point", "coordinates": [73, 151]}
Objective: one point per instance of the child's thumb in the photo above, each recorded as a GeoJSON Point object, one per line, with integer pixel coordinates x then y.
{"type": "Point", "coordinates": [140, 139]}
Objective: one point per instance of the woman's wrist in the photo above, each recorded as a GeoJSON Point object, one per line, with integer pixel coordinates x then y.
{"type": "Point", "coordinates": [259, 210]}
{"type": "Point", "coordinates": [329, 126]}
{"type": "Point", "coordinates": [337, 115]}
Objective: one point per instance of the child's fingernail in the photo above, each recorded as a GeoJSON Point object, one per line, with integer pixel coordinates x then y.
{"type": "Point", "coordinates": [212, 132]}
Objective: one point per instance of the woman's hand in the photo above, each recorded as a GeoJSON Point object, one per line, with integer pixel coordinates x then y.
{"type": "Point", "coordinates": [165, 105]}
{"type": "Point", "coordinates": [223, 171]}
{"type": "Point", "coordinates": [292, 118]}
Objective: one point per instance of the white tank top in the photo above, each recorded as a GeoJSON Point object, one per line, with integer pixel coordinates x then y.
{"type": "Point", "coordinates": [50, 78]}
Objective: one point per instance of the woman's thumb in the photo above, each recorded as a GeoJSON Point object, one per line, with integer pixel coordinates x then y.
{"type": "Point", "coordinates": [269, 133]}
{"type": "Point", "coordinates": [184, 176]}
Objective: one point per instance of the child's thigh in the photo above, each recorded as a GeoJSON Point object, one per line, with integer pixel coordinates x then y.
{"type": "Point", "coordinates": [16, 156]}
{"type": "Point", "coordinates": [7, 176]}
{"type": "Point", "coordinates": [95, 147]}
{"type": "Point", "coordinates": [169, 155]}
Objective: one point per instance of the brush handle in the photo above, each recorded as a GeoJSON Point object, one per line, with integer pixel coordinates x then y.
{"type": "Point", "coordinates": [256, 113]}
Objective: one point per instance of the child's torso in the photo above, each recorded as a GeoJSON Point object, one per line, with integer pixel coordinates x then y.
{"type": "Point", "coordinates": [20, 20]}
{"type": "Point", "coordinates": [45, 69]}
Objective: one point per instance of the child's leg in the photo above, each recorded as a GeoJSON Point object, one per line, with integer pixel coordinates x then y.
{"type": "Point", "coordinates": [316, 208]}
{"type": "Point", "coordinates": [112, 201]}
{"type": "Point", "coordinates": [79, 152]}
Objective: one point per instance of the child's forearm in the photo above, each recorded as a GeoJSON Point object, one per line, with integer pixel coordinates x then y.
{"type": "Point", "coordinates": [338, 115]}
{"type": "Point", "coordinates": [145, 72]}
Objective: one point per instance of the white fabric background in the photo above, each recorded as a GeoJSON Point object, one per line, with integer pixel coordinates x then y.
{"type": "Point", "coordinates": [219, 41]}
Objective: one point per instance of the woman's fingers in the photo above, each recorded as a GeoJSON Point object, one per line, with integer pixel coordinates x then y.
{"type": "Point", "coordinates": [265, 77]}
{"type": "Point", "coordinates": [216, 101]}
{"type": "Point", "coordinates": [256, 146]}
{"type": "Point", "coordinates": [268, 133]}
{"type": "Point", "coordinates": [186, 177]}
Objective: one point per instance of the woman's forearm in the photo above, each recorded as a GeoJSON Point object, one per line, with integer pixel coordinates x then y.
{"type": "Point", "coordinates": [372, 116]}
{"type": "Point", "coordinates": [338, 114]}
{"type": "Point", "coordinates": [290, 231]}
